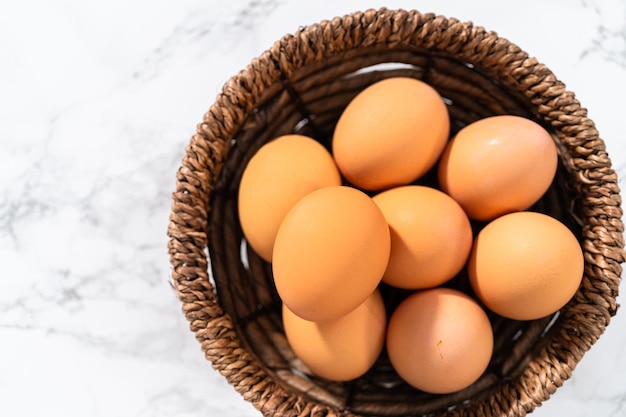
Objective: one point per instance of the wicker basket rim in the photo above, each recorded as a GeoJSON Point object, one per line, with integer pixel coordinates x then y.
{"type": "Point", "coordinates": [311, 45]}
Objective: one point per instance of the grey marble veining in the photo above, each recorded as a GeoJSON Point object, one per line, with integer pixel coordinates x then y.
{"type": "Point", "coordinates": [98, 101]}
{"type": "Point", "coordinates": [610, 38]}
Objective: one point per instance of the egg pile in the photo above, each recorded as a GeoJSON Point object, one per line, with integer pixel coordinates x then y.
{"type": "Point", "coordinates": [336, 225]}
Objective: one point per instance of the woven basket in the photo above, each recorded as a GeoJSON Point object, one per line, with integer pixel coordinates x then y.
{"type": "Point", "coordinates": [301, 84]}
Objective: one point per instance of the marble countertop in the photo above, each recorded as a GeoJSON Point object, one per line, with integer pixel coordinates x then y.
{"type": "Point", "coordinates": [97, 103]}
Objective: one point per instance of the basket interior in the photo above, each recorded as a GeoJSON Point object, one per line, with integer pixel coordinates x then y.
{"type": "Point", "coordinates": [309, 101]}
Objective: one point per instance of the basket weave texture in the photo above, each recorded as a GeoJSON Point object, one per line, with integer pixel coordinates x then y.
{"type": "Point", "coordinates": [301, 85]}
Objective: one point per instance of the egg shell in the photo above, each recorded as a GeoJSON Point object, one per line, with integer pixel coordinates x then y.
{"type": "Point", "coordinates": [341, 349]}
{"type": "Point", "coordinates": [498, 165]}
{"type": "Point", "coordinates": [431, 236]}
{"type": "Point", "coordinates": [391, 133]}
{"type": "Point", "coordinates": [330, 253]}
{"type": "Point", "coordinates": [439, 340]}
{"type": "Point", "coordinates": [525, 265]}
{"type": "Point", "coordinates": [280, 173]}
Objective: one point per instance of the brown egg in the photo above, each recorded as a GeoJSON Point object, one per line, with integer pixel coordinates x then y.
{"type": "Point", "coordinates": [391, 133]}
{"type": "Point", "coordinates": [431, 236]}
{"type": "Point", "coordinates": [498, 165]}
{"type": "Point", "coordinates": [330, 253]}
{"type": "Point", "coordinates": [341, 349]}
{"type": "Point", "coordinates": [439, 340]}
{"type": "Point", "coordinates": [279, 174]}
{"type": "Point", "coordinates": [525, 265]}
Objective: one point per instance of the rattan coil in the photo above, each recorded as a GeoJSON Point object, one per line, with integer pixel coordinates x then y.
{"type": "Point", "coordinates": [301, 84]}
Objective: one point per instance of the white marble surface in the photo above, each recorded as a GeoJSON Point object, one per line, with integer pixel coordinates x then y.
{"type": "Point", "coordinates": [98, 100]}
